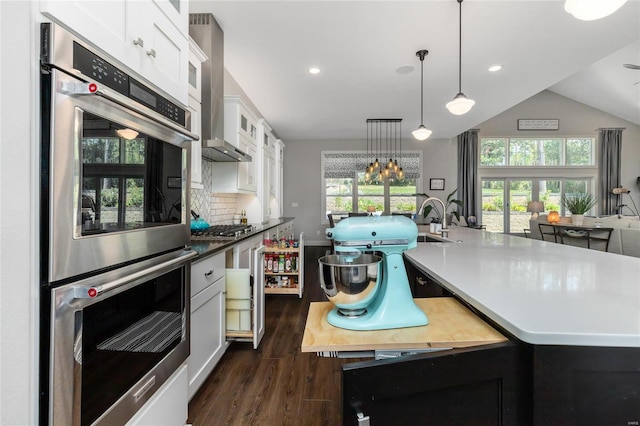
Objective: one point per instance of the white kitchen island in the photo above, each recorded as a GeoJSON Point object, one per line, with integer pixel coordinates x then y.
{"type": "Point", "coordinates": [541, 292]}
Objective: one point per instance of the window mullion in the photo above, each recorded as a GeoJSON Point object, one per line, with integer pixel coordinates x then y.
{"type": "Point", "coordinates": [354, 195]}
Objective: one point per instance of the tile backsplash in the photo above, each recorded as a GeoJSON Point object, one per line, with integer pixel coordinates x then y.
{"type": "Point", "coordinates": [215, 208]}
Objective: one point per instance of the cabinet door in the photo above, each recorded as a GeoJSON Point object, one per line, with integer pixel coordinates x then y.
{"type": "Point", "coordinates": [196, 146]}
{"type": "Point", "coordinates": [208, 331]}
{"type": "Point", "coordinates": [481, 385]}
{"type": "Point", "coordinates": [168, 407]}
{"type": "Point", "coordinates": [258, 296]}
{"type": "Point", "coordinates": [165, 54]}
{"type": "Point", "coordinates": [247, 170]}
{"type": "Point", "coordinates": [178, 13]}
{"type": "Point", "coordinates": [265, 183]}
{"type": "Point", "coordinates": [101, 23]}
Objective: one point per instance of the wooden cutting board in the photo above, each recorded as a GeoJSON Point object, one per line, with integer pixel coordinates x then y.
{"type": "Point", "coordinates": [451, 325]}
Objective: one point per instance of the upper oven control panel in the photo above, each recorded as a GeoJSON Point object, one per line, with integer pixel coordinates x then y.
{"type": "Point", "coordinates": [93, 66]}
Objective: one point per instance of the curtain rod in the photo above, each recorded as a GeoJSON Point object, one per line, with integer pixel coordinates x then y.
{"type": "Point", "coordinates": [611, 128]}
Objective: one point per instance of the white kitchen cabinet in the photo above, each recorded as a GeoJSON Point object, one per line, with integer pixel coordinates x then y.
{"type": "Point", "coordinates": [266, 142]}
{"type": "Point", "coordinates": [196, 58]}
{"type": "Point", "coordinates": [248, 255]}
{"type": "Point", "coordinates": [239, 121]}
{"type": "Point", "coordinates": [237, 177]}
{"type": "Point", "coordinates": [168, 406]}
{"type": "Point", "coordinates": [138, 34]}
{"type": "Point", "coordinates": [277, 175]}
{"type": "Point", "coordinates": [208, 342]}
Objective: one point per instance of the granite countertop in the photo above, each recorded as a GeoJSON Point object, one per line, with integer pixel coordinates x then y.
{"type": "Point", "coordinates": [541, 292]}
{"type": "Point", "coordinates": [206, 248]}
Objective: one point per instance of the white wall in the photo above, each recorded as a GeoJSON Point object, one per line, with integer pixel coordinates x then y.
{"type": "Point", "coordinates": [576, 119]}
{"type": "Point", "coordinates": [18, 218]}
{"type": "Point", "coordinates": [302, 176]}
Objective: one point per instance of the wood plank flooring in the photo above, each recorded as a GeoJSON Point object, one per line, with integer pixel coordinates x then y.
{"type": "Point", "coordinates": [275, 384]}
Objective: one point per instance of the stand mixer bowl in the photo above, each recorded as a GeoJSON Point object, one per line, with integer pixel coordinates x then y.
{"type": "Point", "coordinates": [350, 281]}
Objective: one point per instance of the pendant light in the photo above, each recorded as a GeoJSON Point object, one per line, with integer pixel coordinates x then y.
{"type": "Point", "coordinates": [460, 103]}
{"type": "Point", "coordinates": [421, 133]}
{"type": "Point", "coordinates": [383, 133]}
{"type": "Point", "coordinates": [589, 10]}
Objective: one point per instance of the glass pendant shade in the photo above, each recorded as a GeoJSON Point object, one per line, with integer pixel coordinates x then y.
{"type": "Point", "coordinates": [589, 10]}
{"type": "Point", "coordinates": [401, 173]}
{"type": "Point", "coordinates": [376, 164]}
{"type": "Point", "coordinates": [460, 104]}
{"type": "Point", "coordinates": [390, 163]}
{"type": "Point", "coordinates": [421, 133]}
{"type": "Point", "coordinates": [367, 176]}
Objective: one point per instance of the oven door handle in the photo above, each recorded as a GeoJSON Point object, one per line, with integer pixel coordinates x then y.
{"type": "Point", "coordinates": [91, 292]}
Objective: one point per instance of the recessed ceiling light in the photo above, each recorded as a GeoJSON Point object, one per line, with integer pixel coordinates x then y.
{"type": "Point", "coordinates": [495, 67]}
{"type": "Point", "coordinates": [314, 70]}
{"type": "Point", "coordinates": [405, 69]}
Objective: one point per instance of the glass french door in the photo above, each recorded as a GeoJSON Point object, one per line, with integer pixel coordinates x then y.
{"type": "Point", "coordinates": [504, 200]}
{"type": "Point", "coordinates": [504, 204]}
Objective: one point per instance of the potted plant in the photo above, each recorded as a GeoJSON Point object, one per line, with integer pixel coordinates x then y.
{"type": "Point", "coordinates": [578, 205]}
{"type": "Point", "coordinates": [448, 203]}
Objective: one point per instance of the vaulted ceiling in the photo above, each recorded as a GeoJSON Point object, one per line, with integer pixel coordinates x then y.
{"type": "Point", "coordinates": [366, 52]}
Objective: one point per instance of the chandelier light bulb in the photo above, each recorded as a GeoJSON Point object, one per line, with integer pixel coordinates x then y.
{"type": "Point", "coordinates": [589, 10]}
{"type": "Point", "coordinates": [400, 173]}
{"type": "Point", "coordinates": [390, 163]}
{"type": "Point", "coordinates": [421, 133]}
{"type": "Point", "coordinates": [376, 164]}
{"type": "Point", "coordinates": [367, 176]}
{"type": "Point", "coordinates": [460, 104]}
{"type": "Point", "coordinates": [395, 167]}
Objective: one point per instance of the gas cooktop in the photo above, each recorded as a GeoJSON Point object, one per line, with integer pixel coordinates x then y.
{"type": "Point", "coordinates": [221, 232]}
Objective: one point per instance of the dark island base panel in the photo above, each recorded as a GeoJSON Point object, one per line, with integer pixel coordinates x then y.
{"type": "Point", "coordinates": [486, 385]}
{"type": "Point", "coordinates": [575, 385]}
{"type": "Point", "coordinates": [503, 384]}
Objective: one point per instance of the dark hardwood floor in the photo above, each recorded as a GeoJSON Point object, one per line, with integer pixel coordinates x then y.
{"type": "Point", "coordinates": [275, 384]}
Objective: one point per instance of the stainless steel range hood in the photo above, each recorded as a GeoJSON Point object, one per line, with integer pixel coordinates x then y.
{"type": "Point", "coordinates": [206, 32]}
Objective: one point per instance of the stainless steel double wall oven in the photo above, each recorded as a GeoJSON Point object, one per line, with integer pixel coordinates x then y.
{"type": "Point", "coordinates": [114, 236]}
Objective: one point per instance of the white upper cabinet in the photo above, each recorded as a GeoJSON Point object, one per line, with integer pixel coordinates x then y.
{"type": "Point", "coordinates": [239, 121]}
{"type": "Point", "coordinates": [148, 37]}
{"type": "Point", "coordinates": [265, 143]}
{"type": "Point", "coordinates": [196, 58]}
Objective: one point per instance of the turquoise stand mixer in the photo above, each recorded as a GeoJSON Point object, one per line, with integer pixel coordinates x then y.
{"type": "Point", "coordinates": [366, 278]}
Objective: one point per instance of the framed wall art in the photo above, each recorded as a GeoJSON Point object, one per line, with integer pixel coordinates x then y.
{"type": "Point", "coordinates": [436, 184]}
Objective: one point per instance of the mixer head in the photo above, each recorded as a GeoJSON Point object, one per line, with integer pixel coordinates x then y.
{"type": "Point", "coordinates": [365, 233]}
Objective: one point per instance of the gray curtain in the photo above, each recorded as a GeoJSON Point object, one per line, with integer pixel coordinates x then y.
{"type": "Point", "coordinates": [468, 172]}
{"type": "Point", "coordinates": [610, 141]}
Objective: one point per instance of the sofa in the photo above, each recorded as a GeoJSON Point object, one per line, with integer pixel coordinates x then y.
{"type": "Point", "coordinates": [625, 238]}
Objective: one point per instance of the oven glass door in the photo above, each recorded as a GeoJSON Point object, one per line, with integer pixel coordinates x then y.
{"type": "Point", "coordinates": [129, 179]}
{"type": "Point", "coordinates": [125, 336]}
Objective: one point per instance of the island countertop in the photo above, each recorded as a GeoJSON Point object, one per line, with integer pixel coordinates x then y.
{"type": "Point", "coordinates": [541, 292]}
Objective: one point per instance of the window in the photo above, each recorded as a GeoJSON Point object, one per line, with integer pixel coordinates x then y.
{"type": "Point", "coordinates": [539, 152]}
{"type": "Point", "coordinates": [345, 189]}
{"type": "Point", "coordinates": [514, 171]}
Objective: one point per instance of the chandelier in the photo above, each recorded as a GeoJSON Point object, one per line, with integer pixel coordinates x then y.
{"type": "Point", "coordinates": [384, 140]}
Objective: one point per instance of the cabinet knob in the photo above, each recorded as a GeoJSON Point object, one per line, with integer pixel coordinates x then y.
{"type": "Point", "coordinates": [206, 274]}
{"type": "Point", "coordinates": [151, 52]}
{"type": "Point", "coordinates": [139, 42]}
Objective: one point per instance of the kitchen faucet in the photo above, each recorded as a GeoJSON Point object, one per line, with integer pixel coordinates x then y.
{"type": "Point", "coordinates": [445, 230]}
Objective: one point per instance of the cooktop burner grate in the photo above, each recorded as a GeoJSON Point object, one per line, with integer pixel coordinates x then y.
{"type": "Point", "coordinates": [221, 231]}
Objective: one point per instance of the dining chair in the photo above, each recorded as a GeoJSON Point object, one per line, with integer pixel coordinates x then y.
{"type": "Point", "coordinates": [352, 214]}
{"type": "Point", "coordinates": [332, 225]}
